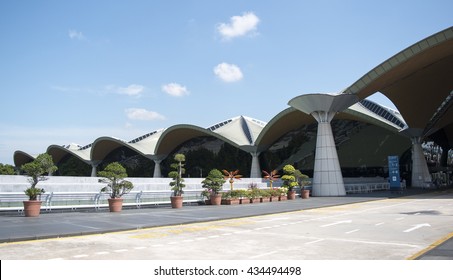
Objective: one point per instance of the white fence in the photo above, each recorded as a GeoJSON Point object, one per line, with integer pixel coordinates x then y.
{"type": "Point", "coordinates": [80, 192]}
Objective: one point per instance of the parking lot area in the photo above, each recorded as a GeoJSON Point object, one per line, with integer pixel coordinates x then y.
{"type": "Point", "coordinates": [381, 229]}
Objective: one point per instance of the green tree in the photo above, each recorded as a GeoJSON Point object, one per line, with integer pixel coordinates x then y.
{"type": "Point", "coordinates": [35, 170]}
{"type": "Point", "coordinates": [289, 179]}
{"type": "Point", "coordinates": [214, 181]}
{"type": "Point", "coordinates": [113, 175]}
{"type": "Point", "coordinates": [301, 179]}
{"type": "Point", "coordinates": [6, 169]}
{"type": "Point", "coordinates": [177, 184]}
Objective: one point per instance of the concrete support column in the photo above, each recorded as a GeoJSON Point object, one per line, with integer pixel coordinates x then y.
{"type": "Point", "coordinates": [327, 177]}
{"type": "Point", "coordinates": [157, 172]}
{"type": "Point", "coordinates": [255, 170]}
{"type": "Point", "coordinates": [420, 172]}
{"type": "Point", "coordinates": [157, 160]}
{"type": "Point", "coordinates": [94, 166]}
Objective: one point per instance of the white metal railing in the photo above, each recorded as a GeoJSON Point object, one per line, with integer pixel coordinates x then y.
{"type": "Point", "coordinates": [13, 201]}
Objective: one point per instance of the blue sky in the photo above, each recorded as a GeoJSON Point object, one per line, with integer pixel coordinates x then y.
{"type": "Point", "coordinates": [73, 71]}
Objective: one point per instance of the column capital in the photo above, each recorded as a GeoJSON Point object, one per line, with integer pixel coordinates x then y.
{"type": "Point", "coordinates": [323, 116]}
{"type": "Point", "coordinates": [95, 163]}
{"type": "Point", "coordinates": [412, 132]}
{"type": "Point", "coordinates": [324, 102]}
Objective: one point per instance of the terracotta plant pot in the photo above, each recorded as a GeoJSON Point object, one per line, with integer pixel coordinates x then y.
{"type": "Point", "coordinates": [115, 204]}
{"type": "Point", "coordinates": [255, 200]}
{"type": "Point", "coordinates": [176, 201]}
{"type": "Point", "coordinates": [244, 200]}
{"type": "Point", "coordinates": [305, 194]}
{"type": "Point", "coordinates": [230, 201]}
{"type": "Point", "coordinates": [32, 208]}
{"type": "Point", "coordinates": [291, 195]}
{"type": "Point", "coordinates": [216, 199]}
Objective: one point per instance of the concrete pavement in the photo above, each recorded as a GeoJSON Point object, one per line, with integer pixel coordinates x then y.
{"type": "Point", "coordinates": [16, 227]}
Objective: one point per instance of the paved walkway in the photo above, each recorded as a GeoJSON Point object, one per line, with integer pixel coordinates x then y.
{"type": "Point", "coordinates": [16, 227]}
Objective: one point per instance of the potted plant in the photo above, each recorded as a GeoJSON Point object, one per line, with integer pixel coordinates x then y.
{"type": "Point", "coordinates": [302, 180]}
{"type": "Point", "coordinates": [289, 180]}
{"type": "Point", "coordinates": [265, 195]}
{"type": "Point", "coordinates": [177, 184]}
{"type": "Point", "coordinates": [36, 170]}
{"type": "Point", "coordinates": [113, 175]}
{"type": "Point", "coordinates": [206, 197]}
{"type": "Point", "coordinates": [283, 193]}
{"type": "Point", "coordinates": [274, 194]}
{"type": "Point", "coordinates": [244, 196]}
{"type": "Point", "coordinates": [231, 176]}
{"type": "Point", "coordinates": [254, 193]}
{"type": "Point", "coordinates": [214, 183]}
{"type": "Point", "coordinates": [231, 197]}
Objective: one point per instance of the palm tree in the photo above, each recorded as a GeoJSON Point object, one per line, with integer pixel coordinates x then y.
{"type": "Point", "coordinates": [272, 176]}
{"type": "Point", "coordinates": [232, 175]}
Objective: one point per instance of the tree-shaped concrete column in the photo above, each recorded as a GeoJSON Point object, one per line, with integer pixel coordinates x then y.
{"type": "Point", "coordinates": [327, 177]}
{"type": "Point", "coordinates": [420, 172]}
{"type": "Point", "coordinates": [157, 161]}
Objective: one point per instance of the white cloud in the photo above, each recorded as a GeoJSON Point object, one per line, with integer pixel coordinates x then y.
{"type": "Point", "coordinates": [238, 26]}
{"type": "Point", "coordinates": [143, 114]}
{"type": "Point", "coordinates": [175, 89]}
{"type": "Point", "coordinates": [228, 72]}
{"type": "Point", "coordinates": [74, 34]}
{"type": "Point", "coordinates": [131, 90]}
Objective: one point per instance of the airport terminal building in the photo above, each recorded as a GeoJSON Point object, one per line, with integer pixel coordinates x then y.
{"type": "Point", "coordinates": [328, 136]}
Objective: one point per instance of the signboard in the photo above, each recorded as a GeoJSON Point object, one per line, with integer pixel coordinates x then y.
{"type": "Point", "coordinates": [394, 173]}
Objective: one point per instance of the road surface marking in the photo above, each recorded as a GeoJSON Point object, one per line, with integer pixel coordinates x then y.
{"type": "Point", "coordinates": [120, 250]}
{"type": "Point", "coordinates": [315, 241]}
{"type": "Point", "coordinates": [337, 223]}
{"type": "Point", "coordinates": [415, 227]}
{"type": "Point", "coordinates": [102, 253]}
{"type": "Point", "coordinates": [262, 255]}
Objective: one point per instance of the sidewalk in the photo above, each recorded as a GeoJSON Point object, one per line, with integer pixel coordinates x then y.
{"type": "Point", "coordinates": [16, 227]}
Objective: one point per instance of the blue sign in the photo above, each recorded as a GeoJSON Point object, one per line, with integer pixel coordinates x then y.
{"type": "Point", "coordinates": [394, 173]}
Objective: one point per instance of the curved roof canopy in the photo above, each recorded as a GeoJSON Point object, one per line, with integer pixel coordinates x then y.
{"type": "Point", "coordinates": [240, 132]}
{"type": "Point", "coordinates": [418, 80]}
{"type": "Point", "coordinates": [144, 145]}
{"type": "Point", "coordinates": [20, 158]}
{"type": "Point", "coordinates": [292, 118]}
{"type": "Point", "coordinates": [59, 152]}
